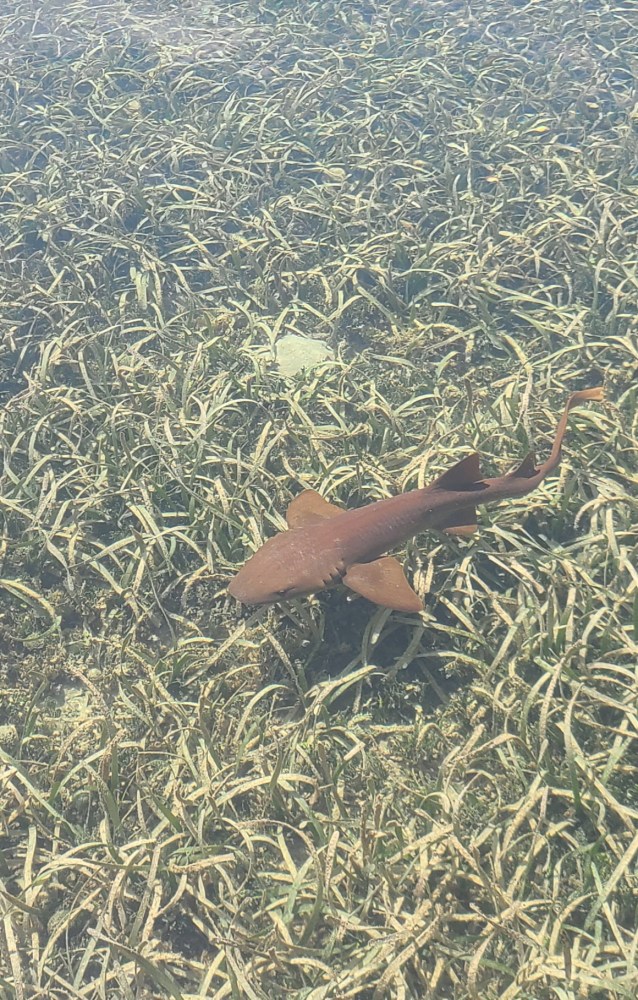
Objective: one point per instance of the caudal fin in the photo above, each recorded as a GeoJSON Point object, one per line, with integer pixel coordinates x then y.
{"type": "Point", "coordinates": [466, 476]}
{"type": "Point", "coordinates": [524, 470]}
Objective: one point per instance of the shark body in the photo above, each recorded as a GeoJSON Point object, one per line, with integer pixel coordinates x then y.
{"type": "Point", "coordinates": [326, 545]}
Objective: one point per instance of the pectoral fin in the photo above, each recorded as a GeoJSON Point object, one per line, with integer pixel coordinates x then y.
{"type": "Point", "coordinates": [383, 582]}
{"type": "Point", "coordinates": [308, 508]}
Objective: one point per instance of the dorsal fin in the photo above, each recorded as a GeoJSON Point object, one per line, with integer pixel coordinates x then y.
{"type": "Point", "coordinates": [465, 473]}
{"type": "Point", "coordinates": [309, 507]}
{"type": "Point", "coordinates": [526, 469]}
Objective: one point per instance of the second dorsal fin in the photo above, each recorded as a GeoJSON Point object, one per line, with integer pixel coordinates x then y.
{"type": "Point", "coordinates": [526, 469]}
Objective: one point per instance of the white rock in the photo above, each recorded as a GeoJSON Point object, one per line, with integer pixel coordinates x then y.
{"type": "Point", "coordinates": [293, 353]}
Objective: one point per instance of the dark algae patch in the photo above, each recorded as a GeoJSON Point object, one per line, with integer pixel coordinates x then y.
{"type": "Point", "coordinates": [324, 800]}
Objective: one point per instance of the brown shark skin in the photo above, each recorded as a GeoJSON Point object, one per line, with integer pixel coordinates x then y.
{"type": "Point", "coordinates": [318, 554]}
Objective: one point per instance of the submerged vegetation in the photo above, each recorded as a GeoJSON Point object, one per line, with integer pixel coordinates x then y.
{"type": "Point", "coordinates": [325, 800]}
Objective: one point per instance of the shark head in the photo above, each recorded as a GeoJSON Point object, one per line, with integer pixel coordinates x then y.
{"type": "Point", "coordinates": [283, 568]}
